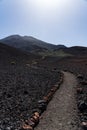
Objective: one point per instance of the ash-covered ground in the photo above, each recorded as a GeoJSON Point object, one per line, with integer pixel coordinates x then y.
{"type": "Point", "coordinates": [78, 66]}
{"type": "Point", "coordinates": [26, 78]}
{"type": "Point", "coordinates": [21, 86]}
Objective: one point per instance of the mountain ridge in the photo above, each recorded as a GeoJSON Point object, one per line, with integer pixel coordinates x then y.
{"type": "Point", "coordinates": [28, 41]}
{"type": "Point", "coordinates": [36, 46]}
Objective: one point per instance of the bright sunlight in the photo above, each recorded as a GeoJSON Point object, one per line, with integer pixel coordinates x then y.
{"type": "Point", "coordinates": [48, 4]}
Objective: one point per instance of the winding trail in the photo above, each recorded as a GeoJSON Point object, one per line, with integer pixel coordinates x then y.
{"type": "Point", "coordinates": [61, 112]}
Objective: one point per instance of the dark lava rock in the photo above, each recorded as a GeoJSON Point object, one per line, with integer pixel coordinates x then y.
{"type": "Point", "coordinates": [42, 105]}
{"type": "Point", "coordinates": [82, 106]}
{"type": "Point", "coordinates": [80, 76]}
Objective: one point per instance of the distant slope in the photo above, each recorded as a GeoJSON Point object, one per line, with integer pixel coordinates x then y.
{"type": "Point", "coordinates": [72, 51]}
{"type": "Point", "coordinates": [76, 50]}
{"type": "Point", "coordinates": [29, 43]}
{"type": "Point", "coordinates": [10, 54]}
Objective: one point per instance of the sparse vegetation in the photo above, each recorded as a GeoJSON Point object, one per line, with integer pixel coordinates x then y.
{"type": "Point", "coordinates": [58, 53]}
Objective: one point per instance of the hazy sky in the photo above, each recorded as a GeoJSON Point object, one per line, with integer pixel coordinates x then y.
{"type": "Point", "coordinates": [54, 21]}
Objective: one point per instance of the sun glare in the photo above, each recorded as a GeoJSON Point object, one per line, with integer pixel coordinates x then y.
{"type": "Point", "coordinates": [48, 4]}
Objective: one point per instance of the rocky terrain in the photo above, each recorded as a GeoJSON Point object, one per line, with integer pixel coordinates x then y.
{"type": "Point", "coordinates": [78, 66]}
{"type": "Point", "coordinates": [26, 77]}
{"type": "Point", "coordinates": [21, 86]}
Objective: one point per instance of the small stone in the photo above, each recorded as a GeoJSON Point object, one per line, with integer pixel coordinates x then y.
{"type": "Point", "coordinates": [84, 125]}
{"type": "Point", "coordinates": [82, 106]}
{"type": "Point", "coordinates": [8, 128]}
{"type": "Point", "coordinates": [60, 124]}
{"type": "Point", "coordinates": [69, 123]}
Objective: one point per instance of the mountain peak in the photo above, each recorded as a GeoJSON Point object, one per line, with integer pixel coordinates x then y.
{"type": "Point", "coordinates": [13, 36]}
{"type": "Point", "coordinates": [29, 43]}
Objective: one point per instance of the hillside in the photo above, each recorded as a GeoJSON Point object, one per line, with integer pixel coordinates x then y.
{"type": "Point", "coordinates": [73, 51]}
{"type": "Point", "coordinates": [10, 54]}
{"type": "Point", "coordinates": [35, 46]}
{"type": "Point", "coordinates": [29, 43]}
{"type": "Point", "coordinates": [21, 86]}
{"type": "Point", "coordinates": [76, 50]}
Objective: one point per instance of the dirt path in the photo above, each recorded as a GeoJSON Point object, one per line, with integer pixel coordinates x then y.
{"type": "Point", "coordinates": [61, 112]}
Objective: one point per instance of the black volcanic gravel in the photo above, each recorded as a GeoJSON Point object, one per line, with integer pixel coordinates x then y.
{"type": "Point", "coordinates": [20, 89]}
{"type": "Point", "coordinates": [21, 86]}
{"type": "Point", "coordinates": [76, 65]}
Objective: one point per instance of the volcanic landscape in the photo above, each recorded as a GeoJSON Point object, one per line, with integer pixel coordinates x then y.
{"type": "Point", "coordinates": [28, 74]}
